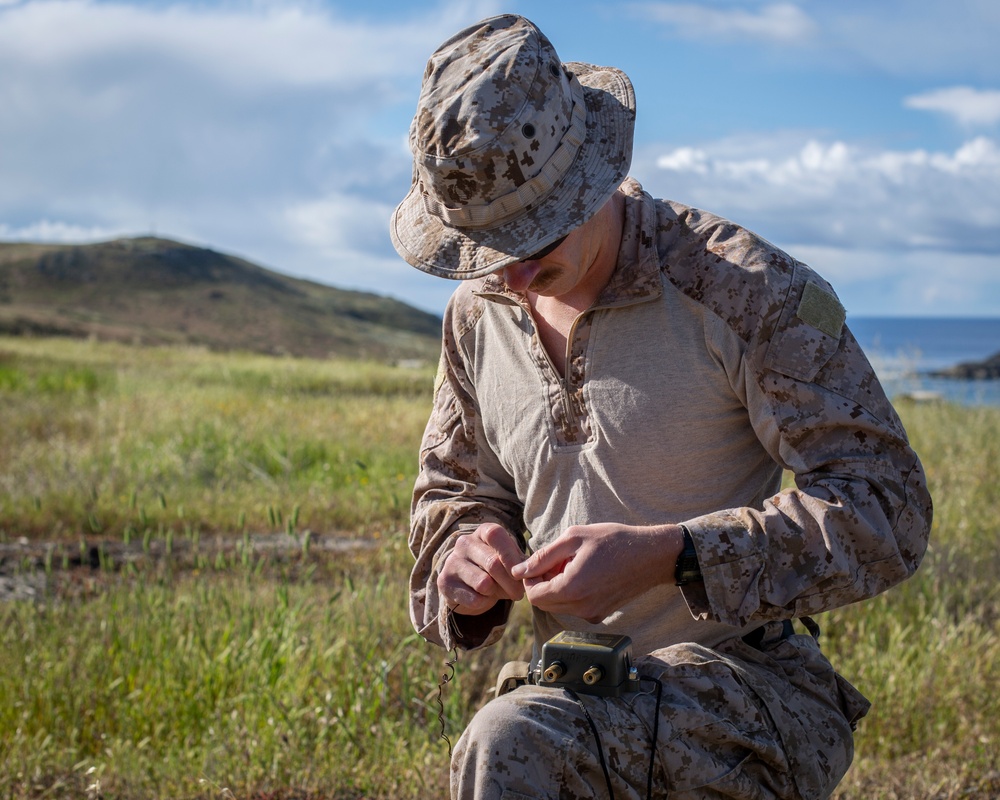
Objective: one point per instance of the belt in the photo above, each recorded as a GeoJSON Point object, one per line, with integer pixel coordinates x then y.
{"type": "Point", "coordinates": [756, 636]}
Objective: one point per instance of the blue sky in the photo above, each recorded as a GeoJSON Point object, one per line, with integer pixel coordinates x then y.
{"type": "Point", "coordinates": [864, 138]}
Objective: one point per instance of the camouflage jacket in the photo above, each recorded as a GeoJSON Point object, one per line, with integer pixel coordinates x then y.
{"type": "Point", "coordinates": [711, 363]}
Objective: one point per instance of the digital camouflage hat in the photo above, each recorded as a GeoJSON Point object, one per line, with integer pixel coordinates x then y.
{"type": "Point", "coordinates": [512, 149]}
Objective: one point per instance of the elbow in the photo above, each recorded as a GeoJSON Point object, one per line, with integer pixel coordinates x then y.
{"type": "Point", "coordinates": [899, 522]}
{"type": "Point", "coordinates": [913, 523]}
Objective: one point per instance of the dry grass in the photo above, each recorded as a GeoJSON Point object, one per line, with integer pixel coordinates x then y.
{"type": "Point", "coordinates": [295, 674]}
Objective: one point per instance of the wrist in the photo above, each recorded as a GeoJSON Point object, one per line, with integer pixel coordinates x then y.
{"type": "Point", "coordinates": [662, 546]}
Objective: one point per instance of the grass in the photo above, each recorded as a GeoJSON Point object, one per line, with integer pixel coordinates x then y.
{"type": "Point", "coordinates": [192, 687]}
{"type": "Point", "coordinates": [927, 653]}
{"type": "Point", "coordinates": [210, 672]}
{"type": "Point", "coordinates": [98, 439]}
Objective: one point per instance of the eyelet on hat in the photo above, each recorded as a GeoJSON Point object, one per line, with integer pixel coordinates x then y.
{"type": "Point", "coordinates": [512, 149]}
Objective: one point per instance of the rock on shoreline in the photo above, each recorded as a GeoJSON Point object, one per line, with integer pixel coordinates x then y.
{"type": "Point", "coordinates": [988, 369]}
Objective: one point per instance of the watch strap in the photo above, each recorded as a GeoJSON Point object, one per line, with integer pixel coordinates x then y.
{"type": "Point", "coordinates": [687, 569]}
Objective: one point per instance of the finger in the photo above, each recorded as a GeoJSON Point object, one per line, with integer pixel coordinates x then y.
{"type": "Point", "coordinates": [501, 541]}
{"type": "Point", "coordinates": [509, 555]}
{"type": "Point", "coordinates": [549, 560]}
{"type": "Point", "coordinates": [557, 596]}
{"type": "Point", "coordinates": [548, 596]}
{"type": "Point", "coordinates": [454, 587]}
{"type": "Point", "coordinates": [497, 570]}
{"type": "Point", "coordinates": [478, 567]}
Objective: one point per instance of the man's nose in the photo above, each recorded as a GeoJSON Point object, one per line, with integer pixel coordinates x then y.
{"type": "Point", "coordinates": [519, 275]}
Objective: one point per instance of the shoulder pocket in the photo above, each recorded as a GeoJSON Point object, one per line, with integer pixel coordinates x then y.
{"type": "Point", "coordinates": [808, 334]}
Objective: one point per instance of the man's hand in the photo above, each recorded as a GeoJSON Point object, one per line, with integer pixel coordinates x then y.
{"type": "Point", "coordinates": [477, 573]}
{"type": "Point", "coordinates": [591, 571]}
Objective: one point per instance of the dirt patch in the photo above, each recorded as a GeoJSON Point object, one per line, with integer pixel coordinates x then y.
{"type": "Point", "coordinates": [36, 570]}
{"type": "Point", "coordinates": [29, 586]}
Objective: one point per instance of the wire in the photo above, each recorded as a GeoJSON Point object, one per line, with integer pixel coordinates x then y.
{"type": "Point", "coordinates": [652, 748]}
{"type": "Point", "coordinates": [446, 678]}
{"type": "Point", "coordinates": [597, 739]}
{"type": "Point", "coordinates": [656, 733]}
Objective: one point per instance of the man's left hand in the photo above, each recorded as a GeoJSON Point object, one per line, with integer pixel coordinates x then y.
{"type": "Point", "coordinates": [591, 571]}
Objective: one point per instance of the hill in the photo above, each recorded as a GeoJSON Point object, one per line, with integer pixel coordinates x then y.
{"type": "Point", "coordinates": [156, 291]}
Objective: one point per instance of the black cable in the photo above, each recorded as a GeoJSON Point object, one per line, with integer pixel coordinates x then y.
{"type": "Point", "coordinates": [597, 739]}
{"type": "Point", "coordinates": [656, 733]}
{"type": "Point", "coordinates": [652, 750]}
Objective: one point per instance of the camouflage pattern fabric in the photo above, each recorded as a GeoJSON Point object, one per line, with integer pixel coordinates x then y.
{"type": "Point", "coordinates": [711, 362]}
{"type": "Point", "coordinates": [702, 371]}
{"type": "Point", "coordinates": [512, 148]}
{"type": "Point", "coordinates": [734, 722]}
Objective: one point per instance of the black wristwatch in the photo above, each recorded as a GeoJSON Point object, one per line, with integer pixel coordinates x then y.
{"type": "Point", "coordinates": [687, 569]}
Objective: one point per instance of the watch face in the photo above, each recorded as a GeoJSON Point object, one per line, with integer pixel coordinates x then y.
{"type": "Point", "coordinates": [688, 572]}
{"type": "Point", "coordinates": [687, 569]}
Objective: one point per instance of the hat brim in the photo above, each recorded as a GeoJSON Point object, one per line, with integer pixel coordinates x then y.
{"type": "Point", "coordinates": [600, 166]}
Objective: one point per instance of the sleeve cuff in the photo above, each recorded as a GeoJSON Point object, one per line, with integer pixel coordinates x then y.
{"type": "Point", "coordinates": [731, 567]}
{"type": "Point", "coordinates": [471, 632]}
{"type": "Point", "coordinates": [467, 631]}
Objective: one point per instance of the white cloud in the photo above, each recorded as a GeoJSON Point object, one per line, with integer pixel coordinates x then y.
{"type": "Point", "coordinates": [841, 193]}
{"type": "Point", "coordinates": [273, 129]}
{"type": "Point", "coordinates": [778, 22]}
{"type": "Point", "coordinates": [966, 105]}
{"type": "Point", "coordinates": [339, 224]}
{"type": "Point", "coordinates": [916, 283]}
{"type": "Point", "coordinates": [346, 236]}
{"type": "Point", "coordinates": [891, 37]}
{"type": "Point", "coordinates": [55, 231]}
{"type": "Point", "coordinates": [253, 47]}
{"type": "Point", "coordinates": [920, 229]}
{"type": "Point", "coordinates": [685, 159]}
{"type": "Point", "coordinates": [911, 232]}
{"type": "Point", "coordinates": [207, 121]}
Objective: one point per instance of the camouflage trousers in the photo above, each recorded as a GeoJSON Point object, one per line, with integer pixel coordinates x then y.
{"type": "Point", "coordinates": [737, 721]}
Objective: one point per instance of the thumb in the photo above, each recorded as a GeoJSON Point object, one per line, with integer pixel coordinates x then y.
{"type": "Point", "coordinates": [549, 560]}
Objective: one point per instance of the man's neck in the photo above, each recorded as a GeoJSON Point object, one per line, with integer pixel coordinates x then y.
{"type": "Point", "coordinates": [555, 316]}
{"type": "Point", "coordinates": [605, 236]}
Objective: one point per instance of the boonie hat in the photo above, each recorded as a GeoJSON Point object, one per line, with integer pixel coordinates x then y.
{"type": "Point", "coordinates": [512, 149]}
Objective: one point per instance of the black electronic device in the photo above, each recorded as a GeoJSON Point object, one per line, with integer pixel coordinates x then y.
{"type": "Point", "coordinates": [592, 663]}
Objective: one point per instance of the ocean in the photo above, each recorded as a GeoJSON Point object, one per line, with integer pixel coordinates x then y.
{"type": "Point", "coordinates": [903, 349]}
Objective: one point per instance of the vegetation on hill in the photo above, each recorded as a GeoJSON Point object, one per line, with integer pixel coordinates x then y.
{"type": "Point", "coordinates": [155, 291]}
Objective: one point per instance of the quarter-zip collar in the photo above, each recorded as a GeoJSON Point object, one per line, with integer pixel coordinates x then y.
{"type": "Point", "coordinates": [636, 280]}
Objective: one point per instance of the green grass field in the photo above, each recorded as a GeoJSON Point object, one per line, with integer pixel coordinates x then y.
{"type": "Point", "coordinates": [168, 653]}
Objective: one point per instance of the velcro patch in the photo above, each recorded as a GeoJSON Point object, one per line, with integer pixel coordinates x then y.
{"type": "Point", "coordinates": [822, 310]}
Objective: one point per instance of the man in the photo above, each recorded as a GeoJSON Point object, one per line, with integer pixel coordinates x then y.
{"type": "Point", "coordinates": [626, 379]}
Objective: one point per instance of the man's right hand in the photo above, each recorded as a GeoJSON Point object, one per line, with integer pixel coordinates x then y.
{"type": "Point", "coordinates": [476, 574]}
